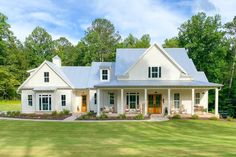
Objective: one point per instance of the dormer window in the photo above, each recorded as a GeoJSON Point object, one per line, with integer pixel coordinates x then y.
{"type": "Point", "coordinates": [154, 72]}
{"type": "Point", "coordinates": [104, 75]}
{"type": "Point", "coordinates": [46, 76]}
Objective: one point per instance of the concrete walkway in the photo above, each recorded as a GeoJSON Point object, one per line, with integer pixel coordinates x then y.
{"type": "Point", "coordinates": [73, 117]}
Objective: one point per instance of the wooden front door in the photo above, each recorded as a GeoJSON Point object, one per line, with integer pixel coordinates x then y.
{"type": "Point", "coordinates": [154, 104]}
{"type": "Point", "coordinates": [84, 103]}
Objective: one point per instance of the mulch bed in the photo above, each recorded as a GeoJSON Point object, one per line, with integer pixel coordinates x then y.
{"type": "Point", "coordinates": [39, 116]}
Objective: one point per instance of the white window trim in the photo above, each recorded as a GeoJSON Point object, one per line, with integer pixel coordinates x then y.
{"type": "Point", "coordinates": [136, 94]}
{"type": "Point", "coordinates": [46, 77]}
{"type": "Point", "coordinates": [108, 75]}
{"type": "Point", "coordinates": [63, 100]}
{"type": "Point", "coordinates": [158, 72]}
{"type": "Point", "coordinates": [110, 97]}
{"type": "Point", "coordinates": [177, 101]}
{"type": "Point", "coordinates": [195, 101]}
{"type": "Point", "coordinates": [48, 96]}
{"type": "Point", "coordinates": [30, 100]}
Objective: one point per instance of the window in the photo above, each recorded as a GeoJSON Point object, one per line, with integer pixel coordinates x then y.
{"type": "Point", "coordinates": [104, 74]}
{"type": "Point", "coordinates": [46, 76]}
{"type": "Point", "coordinates": [132, 100]}
{"type": "Point", "coordinates": [176, 100]}
{"type": "Point", "coordinates": [45, 102]}
{"type": "Point", "coordinates": [95, 98]}
{"type": "Point", "coordinates": [197, 98]}
{"type": "Point", "coordinates": [63, 100]}
{"type": "Point", "coordinates": [154, 72]}
{"type": "Point", "coordinates": [30, 102]}
{"type": "Point", "coordinates": [112, 99]}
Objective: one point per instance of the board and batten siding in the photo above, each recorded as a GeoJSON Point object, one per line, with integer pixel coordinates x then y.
{"type": "Point", "coordinates": [154, 57]}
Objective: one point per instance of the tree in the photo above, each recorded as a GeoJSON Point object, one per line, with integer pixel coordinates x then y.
{"type": "Point", "coordinates": [133, 42]}
{"type": "Point", "coordinates": [39, 46]}
{"type": "Point", "coordinates": [205, 41]}
{"type": "Point", "coordinates": [101, 39]}
{"type": "Point", "coordinates": [7, 40]}
{"type": "Point", "coordinates": [231, 31]}
{"type": "Point", "coordinates": [64, 48]}
{"type": "Point", "coordinates": [171, 43]}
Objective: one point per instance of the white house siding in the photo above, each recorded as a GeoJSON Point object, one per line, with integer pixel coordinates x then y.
{"type": "Point", "coordinates": [25, 108]}
{"type": "Point", "coordinates": [92, 105]}
{"type": "Point", "coordinates": [38, 79]}
{"type": "Point", "coordinates": [55, 100]}
{"type": "Point", "coordinates": [154, 57]}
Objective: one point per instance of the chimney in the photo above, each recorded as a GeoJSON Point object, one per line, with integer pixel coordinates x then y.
{"type": "Point", "coordinates": [56, 60]}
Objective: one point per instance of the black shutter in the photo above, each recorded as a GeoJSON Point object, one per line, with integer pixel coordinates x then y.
{"type": "Point", "coordinates": [149, 72]}
{"type": "Point", "coordinates": [159, 72]}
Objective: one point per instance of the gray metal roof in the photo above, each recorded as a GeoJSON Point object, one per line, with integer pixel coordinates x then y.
{"type": "Point", "coordinates": [78, 75]}
{"type": "Point", "coordinates": [89, 76]}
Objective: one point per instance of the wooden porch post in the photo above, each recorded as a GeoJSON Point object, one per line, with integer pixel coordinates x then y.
{"type": "Point", "coordinates": [122, 101]}
{"type": "Point", "coordinates": [98, 102]}
{"type": "Point", "coordinates": [193, 100]}
{"type": "Point", "coordinates": [145, 104]}
{"type": "Point", "coordinates": [216, 101]}
{"type": "Point", "coordinates": [168, 101]}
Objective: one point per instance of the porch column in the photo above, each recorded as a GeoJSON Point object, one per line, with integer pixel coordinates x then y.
{"type": "Point", "coordinates": [98, 102]}
{"type": "Point", "coordinates": [216, 101]}
{"type": "Point", "coordinates": [122, 101]}
{"type": "Point", "coordinates": [193, 100]}
{"type": "Point", "coordinates": [145, 102]}
{"type": "Point", "coordinates": [168, 102]}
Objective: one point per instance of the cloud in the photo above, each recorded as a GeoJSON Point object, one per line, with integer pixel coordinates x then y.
{"type": "Point", "coordinates": [159, 18]}
{"type": "Point", "coordinates": [141, 17]}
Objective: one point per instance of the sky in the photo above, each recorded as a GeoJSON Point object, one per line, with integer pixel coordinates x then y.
{"type": "Point", "coordinates": [70, 18]}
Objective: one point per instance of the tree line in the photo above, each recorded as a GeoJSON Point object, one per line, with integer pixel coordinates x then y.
{"type": "Point", "coordinates": [210, 44]}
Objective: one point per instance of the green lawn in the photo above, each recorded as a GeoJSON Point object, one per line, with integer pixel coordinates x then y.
{"type": "Point", "coordinates": [171, 138]}
{"type": "Point", "coordinates": [10, 105]}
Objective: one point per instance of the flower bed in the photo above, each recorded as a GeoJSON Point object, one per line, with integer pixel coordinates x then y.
{"type": "Point", "coordinates": [103, 116]}
{"type": "Point", "coordinates": [50, 116]}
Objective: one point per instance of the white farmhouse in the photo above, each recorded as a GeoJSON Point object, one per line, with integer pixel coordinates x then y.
{"type": "Point", "coordinates": [150, 81]}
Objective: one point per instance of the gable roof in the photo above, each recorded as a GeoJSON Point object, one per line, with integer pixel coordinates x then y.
{"type": "Point", "coordinates": [52, 67]}
{"type": "Point", "coordinates": [161, 50]}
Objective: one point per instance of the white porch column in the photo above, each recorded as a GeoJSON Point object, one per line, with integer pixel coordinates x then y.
{"type": "Point", "coordinates": [216, 101]}
{"type": "Point", "coordinates": [193, 100]}
{"type": "Point", "coordinates": [122, 101]}
{"type": "Point", "coordinates": [98, 102]}
{"type": "Point", "coordinates": [168, 102]}
{"type": "Point", "coordinates": [145, 103]}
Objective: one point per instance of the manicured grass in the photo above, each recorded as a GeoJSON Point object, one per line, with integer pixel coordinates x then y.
{"type": "Point", "coordinates": [10, 105]}
{"type": "Point", "coordinates": [171, 138]}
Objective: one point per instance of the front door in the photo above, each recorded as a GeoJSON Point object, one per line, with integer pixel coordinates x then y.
{"type": "Point", "coordinates": [154, 104]}
{"type": "Point", "coordinates": [84, 103]}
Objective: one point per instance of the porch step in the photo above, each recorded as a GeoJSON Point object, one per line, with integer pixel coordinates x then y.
{"type": "Point", "coordinates": [73, 117]}
{"type": "Point", "coordinates": [158, 117]}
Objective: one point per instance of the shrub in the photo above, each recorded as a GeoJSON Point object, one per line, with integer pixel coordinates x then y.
{"type": "Point", "coordinates": [213, 118]}
{"type": "Point", "coordinates": [103, 116]}
{"type": "Point", "coordinates": [17, 113]}
{"type": "Point", "coordinates": [176, 116]}
{"type": "Point", "coordinates": [9, 113]}
{"type": "Point", "coordinates": [139, 117]}
{"type": "Point", "coordinates": [195, 116]}
{"type": "Point", "coordinates": [91, 114]}
{"type": "Point", "coordinates": [230, 118]}
{"type": "Point", "coordinates": [54, 113]}
{"type": "Point", "coordinates": [66, 112]}
{"type": "Point", "coordinates": [122, 116]}
{"type": "Point", "coordinates": [61, 113]}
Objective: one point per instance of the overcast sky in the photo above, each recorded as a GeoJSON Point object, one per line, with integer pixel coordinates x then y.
{"type": "Point", "coordinates": [70, 18]}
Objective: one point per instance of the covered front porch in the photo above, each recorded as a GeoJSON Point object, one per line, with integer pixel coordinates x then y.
{"type": "Point", "coordinates": [162, 101]}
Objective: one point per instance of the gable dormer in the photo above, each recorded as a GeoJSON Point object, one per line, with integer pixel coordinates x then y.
{"type": "Point", "coordinates": [105, 72]}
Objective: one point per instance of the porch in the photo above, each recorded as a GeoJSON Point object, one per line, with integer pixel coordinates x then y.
{"type": "Point", "coordinates": [162, 101]}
